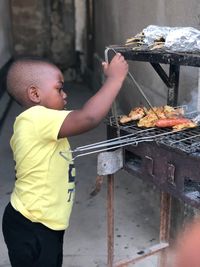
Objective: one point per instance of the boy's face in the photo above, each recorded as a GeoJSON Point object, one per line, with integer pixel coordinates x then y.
{"type": "Point", "coordinates": [51, 88]}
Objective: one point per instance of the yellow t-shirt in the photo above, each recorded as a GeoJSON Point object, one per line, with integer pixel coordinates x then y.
{"type": "Point", "coordinates": [44, 188]}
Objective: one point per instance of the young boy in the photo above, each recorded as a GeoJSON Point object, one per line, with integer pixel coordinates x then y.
{"type": "Point", "coordinates": [38, 213]}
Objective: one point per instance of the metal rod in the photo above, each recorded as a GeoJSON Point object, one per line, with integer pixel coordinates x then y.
{"type": "Point", "coordinates": [110, 145]}
{"type": "Point", "coordinates": [121, 140]}
{"type": "Point", "coordinates": [133, 79]}
{"type": "Point", "coordinates": [113, 139]}
{"type": "Point", "coordinates": [184, 139]}
{"type": "Point", "coordinates": [110, 219]}
{"type": "Point", "coordinates": [165, 223]}
{"type": "Point", "coordinates": [114, 106]}
{"type": "Point", "coordinates": [147, 252]}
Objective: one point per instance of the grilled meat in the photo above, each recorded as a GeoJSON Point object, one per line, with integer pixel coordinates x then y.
{"type": "Point", "coordinates": [163, 116]}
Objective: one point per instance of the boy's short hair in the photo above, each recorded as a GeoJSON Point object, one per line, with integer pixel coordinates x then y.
{"type": "Point", "coordinates": [22, 73]}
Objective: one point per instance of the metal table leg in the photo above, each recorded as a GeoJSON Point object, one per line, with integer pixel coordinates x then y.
{"type": "Point", "coordinates": [165, 223]}
{"type": "Point", "coordinates": [110, 219]}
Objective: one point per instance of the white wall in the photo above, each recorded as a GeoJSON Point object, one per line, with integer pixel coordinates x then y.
{"type": "Point", "coordinates": [5, 32]}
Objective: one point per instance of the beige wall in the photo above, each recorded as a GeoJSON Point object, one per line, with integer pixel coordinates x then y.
{"type": "Point", "coordinates": [5, 32]}
{"type": "Point", "coordinates": [117, 20]}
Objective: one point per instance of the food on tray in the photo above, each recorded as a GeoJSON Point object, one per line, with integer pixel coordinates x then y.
{"type": "Point", "coordinates": [170, 122]}
{"type": "Point", "coordinates": [135, 114]}
{"type": "Point", "coordinates": [125, 119]}
{"type": "Point", "coordinates": [162, 117]}
{"type": "Point", "coordinates": [185, 125]}
{"type": "Point", "coordinates": [163, 112]}
{"type": "Point", "coordinates": [138, 41]}
{"type": "Point", "coordinates": [148, 120]}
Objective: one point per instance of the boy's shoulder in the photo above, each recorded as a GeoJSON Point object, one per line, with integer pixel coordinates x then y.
{"type": "Point", "coordinates": [41, 113]}
{"type": "Point", "coordinates": [33, 113]}
{"type": "Point", "coordinates": [37, 111]}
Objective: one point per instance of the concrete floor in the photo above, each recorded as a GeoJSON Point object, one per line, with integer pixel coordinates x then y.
{"type": "Point", "coordinates": [85, 244]}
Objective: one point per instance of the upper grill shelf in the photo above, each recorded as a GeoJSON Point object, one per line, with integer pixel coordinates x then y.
{"type": "Point", "coordinates": [159, 56]}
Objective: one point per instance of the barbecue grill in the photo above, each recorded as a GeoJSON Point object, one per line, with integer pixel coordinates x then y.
{"type": "Point", "coordinates": [170, 160]}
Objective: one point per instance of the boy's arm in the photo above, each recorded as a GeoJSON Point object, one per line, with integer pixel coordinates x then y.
{"type": "Point", "coordinates": [97, 107]}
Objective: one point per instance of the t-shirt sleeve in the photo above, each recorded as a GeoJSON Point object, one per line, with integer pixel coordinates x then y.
{"type": "Point", "coordinates": [49, 122]}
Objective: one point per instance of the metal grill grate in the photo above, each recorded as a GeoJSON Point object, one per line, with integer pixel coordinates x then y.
{"type": "Point", "coordinates": [187, 140]}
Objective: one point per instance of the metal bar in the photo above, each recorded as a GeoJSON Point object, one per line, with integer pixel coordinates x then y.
{"type": "Point", "coordinates": [163, 57]}
{"type": "Point", "coordinates": [110, 219]}
{"type": "Point", "coordinates": [134, 81]}
{"type": "Point", "coordinates": [165, 208]}
{"type": "Point", "coordinates": [172, 97]}
{"type": "Point", "coordinates": [184, 139]}
{"type": "Point", "coordinates": [114, 106]}
{"type": "Point", "coordinates": [165, 223]}
{"type": "Point", "coordinates": [162, 74]}
{"type": "Point", "coordinates": [106, 142]}
{"type": "Point", "coordinates": [119, 142]}
{"type": "Point", "coordinates": [146, 253]}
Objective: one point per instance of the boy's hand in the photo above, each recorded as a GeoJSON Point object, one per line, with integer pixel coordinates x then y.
{"type": "Point", "coordinates": [96, 108]}
{"type": "Point", "coordinates": [117, 69]}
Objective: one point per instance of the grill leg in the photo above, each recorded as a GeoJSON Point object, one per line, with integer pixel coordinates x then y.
{"type": "Point", "coordinates": [110, 220]}
{"type": "Point", "coordinates": [165, 221]}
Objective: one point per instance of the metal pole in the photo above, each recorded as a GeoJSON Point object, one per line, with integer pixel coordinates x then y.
{"type": "Point", "coordinates": [110, 219]}
{"type": "Point", "coordinates": [165, 223]}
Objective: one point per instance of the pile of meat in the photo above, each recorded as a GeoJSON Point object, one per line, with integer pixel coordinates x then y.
{"type": "Point", "coordinates": [162, 117]}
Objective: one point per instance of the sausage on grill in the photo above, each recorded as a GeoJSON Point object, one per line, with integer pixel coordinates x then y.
{"type": "Point", "coordinates": [170, 122]}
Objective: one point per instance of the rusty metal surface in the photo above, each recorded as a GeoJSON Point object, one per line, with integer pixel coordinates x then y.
{"type": "Point", "coordinates": [172, 168]}
{"type": "Point", "coordinates": [165, 224]}
{"type": "Point", "coordinates": [159, 56]}
{"type": "Point", "coordinates": [145, 253]}
{"type": "Point", "coordinates": [165, 216]}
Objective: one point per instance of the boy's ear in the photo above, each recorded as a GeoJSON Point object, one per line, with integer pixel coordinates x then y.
{"type": "Point", "coordinates": [34, 94]}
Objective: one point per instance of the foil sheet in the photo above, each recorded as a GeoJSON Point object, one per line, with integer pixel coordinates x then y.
{"type": "Point", "coordinates": [179, 39]}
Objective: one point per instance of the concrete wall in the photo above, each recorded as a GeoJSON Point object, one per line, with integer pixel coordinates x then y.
{"type": "Point", "coordinates": [5, 32]}
{"type": "Point", "coordinates": [45, 28]}
{"type": "Point", "coordinates": [117, 20]}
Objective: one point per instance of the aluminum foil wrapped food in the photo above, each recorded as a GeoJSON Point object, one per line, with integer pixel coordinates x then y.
{"type": "Point", "coordinates": [179, 39]}
{"type": "Point", "coordinates": [153, 32]}
{"type": "Point", "coordinates": [186, 39]}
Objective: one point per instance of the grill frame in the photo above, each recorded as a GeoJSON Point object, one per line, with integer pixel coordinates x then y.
{"type": "Point", "coordinates": [167, 167]}
{"type": "Point", "coordinates": [169, 185]}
